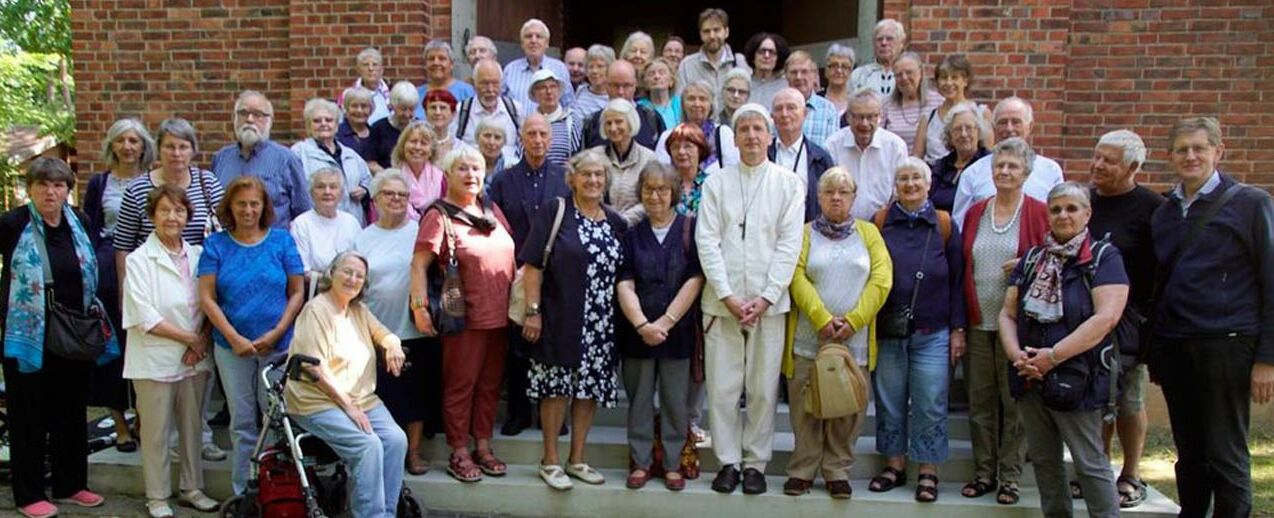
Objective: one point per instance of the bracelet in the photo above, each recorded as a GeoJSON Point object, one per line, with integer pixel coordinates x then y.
{"type": "Point", "coordinates": [672, 318]}
{"type": "Point", "coordinates": [641, 325]}
{"type": "Point", "coordinates": [1052, 356]}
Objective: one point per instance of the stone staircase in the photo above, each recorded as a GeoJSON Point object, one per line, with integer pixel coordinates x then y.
{"type": "Point", "coordinates": [521, 493]}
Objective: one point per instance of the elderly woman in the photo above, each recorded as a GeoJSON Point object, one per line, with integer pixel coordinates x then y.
{"type": "Point", "coordinates": [697, 103]}
{"type": "Point", "coordinates": [766, 53]}
{"type": "Point", "coordinates": [686, 146]}
{"type": "Point", "coordinates": [250, 288]}
{"type": "Point", "coordinates": [1064, 299]}
{"type": "Point", "coordinates": [660, 80]}
{"type": "Point", "coordinates": [997, 231]}
{"type": "Point", "coordinates": [177, 148]}
{"type": "Point", "coordinates": [546, 90]}
{"type": "Point", "coordinates": [913, 359]}
{"type": "Point", "coordinates": [638, 49]}
{"type": "Point", "coordinates": [591, 96]}
{"type": "Point", "coordinates": [842, 278]}
{"type": "Point", "coordinates": [338, 404]}
{"type": "Point", "coordinates": [625, 157]}
{"type": "Point", "coordinates": [736, 88]}
{"type": "Point", "coordinates": [128, 151]}
{"type": "Point", "coordinates": [674, 50]}
{"type": "Point", "coordinates": [44, 241]}
{"type": "Point", "coordinates": [839, 62]}
{"type": "Point", "coordinates": [322, 151]}
{"type": "Point", "coordinates": [385, 133]}
{"type": "Point", "coordinates": [413, 156]}
{"type": "Point", "coordinates": [962, 132]}
{"type": "Point", "coordinates": [440, 113]}
{"type": "Point", "coordinates": [953, 77]}
{"type": "Point", "coordinates": [323, 231]}
{"type": "Point", "coordinates": [573, 357]}
{"type": "Point", "coordinates": [355, 131]}
{"type": "Point", "coordinates": [472, 233]}
{"type": "Point", "coordinates": [491, 139]}
{"type": "Point", "coordinates": [658, 290]}
{"type": "Point", "coordinates": [911, 101]}
{"type": "Point", "coordinates": [387, 244]}
{"type": "Point", "coordinates": [439, 65]}
{"type": "Point", "coordinates": [370, 67]}
{"type": "Point", "coordinates": [171, 360]}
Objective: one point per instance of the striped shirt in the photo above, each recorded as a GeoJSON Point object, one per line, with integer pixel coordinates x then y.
{"type": "Point", "coordinates": [904, 119]}
{"type": "Point", "coordinates": [518, 74]}
{"type": "Point", "coordinates": [135, 226]}
{"type": "Point", "coordinates": [566, 139]}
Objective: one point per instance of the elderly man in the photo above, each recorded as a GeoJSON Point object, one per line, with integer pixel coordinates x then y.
{"type": "Point", "coordinates": [439, 65]}
{"type": "Point", "coordinates": [749, 237]}
{"type": "Point", "coordinates": [621, 83]}
{"type": "Point", "coordinates": [520, 191]}
{"type": "Point", "coordinates": [1012, 118]}
{"type": "Point", "coordinates": [1213, 319]}
{"type": "Point", "coordinates": [255, 154]}
{"type": "Point", "coordinates": [489, 103]}
{"type": "Point", "coordinates": [714, 58]}
{"type": "Point", "coordinates": [480, 48]}
{"type": "Point", "coordinates": [575, 58]}
{"type": "Point", "coordinates": [370, 66]}
{"type": "Point", "coordinates": [1122, 210]}
{"type": "Point", "coordinates": [870, 153]}
{"type": "Point", "coordinates": [889, 40]}
{"type": "Point", "coordinates": [792, 151]}
{"type": "Point", "coordinates": [518, 73]}
{"type": "Point", "coordinates": [822, 118]}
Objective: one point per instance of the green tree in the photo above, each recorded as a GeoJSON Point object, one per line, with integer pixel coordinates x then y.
{"type": "Point", "coordinates": [37, 26]}
{"type": "Point", "coordinates": [36, 88]}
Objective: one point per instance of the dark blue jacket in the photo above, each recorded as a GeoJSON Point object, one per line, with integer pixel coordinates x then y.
{"type": "Point", "coordinates": [940, 302]}
{"type": "Point", "coordinates": [520, 192]}
{"type": "Point", "coordinates": [652, 126]}
{"type": "Point", "coordinates": [946, 177]}
{"type": "Point", "coordinates": [818, 161]}
{"type": "Point", "coordinates": [1223, 285]}
{"type": "Point", "coordinates": [658, 271]}
{"type": "Point", "coordinates": [107, 277]}
{"type": "Point", "coordinates": [564, 285]}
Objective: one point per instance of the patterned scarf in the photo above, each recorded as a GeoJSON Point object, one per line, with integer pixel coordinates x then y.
{"type": "Point", "coordinates": [1043, 300]}
{"type": "Point", "coordinates": [24, 323]}
{"type": "Point", "coordinates": [834, 231]}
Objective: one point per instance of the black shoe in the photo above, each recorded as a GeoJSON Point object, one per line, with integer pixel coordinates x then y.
{"type": "Point", "coordinates": [727, 479]}
{"type": "Point", "coordinates": [221, 420]}
{"type": "Point", "coordinates": [753, 482]}
{"type": "Point", "coordinates": [514, 426]}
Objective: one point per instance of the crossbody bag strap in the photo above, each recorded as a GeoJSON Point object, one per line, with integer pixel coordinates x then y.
{"type": "Point", "coordinates": [557, 225]}
{"type": "Point", "coordinates": [1163, 274]}
{"type": "Point", "coordinates": [920, 273]}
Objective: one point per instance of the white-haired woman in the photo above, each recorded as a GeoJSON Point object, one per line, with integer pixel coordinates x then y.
{"type": "Point", "coordinates": [355, 131]}
{"type": "Point", "coordinates": [322, 151]}
{"type": "Point", "coordinates": [626, 158]}
{"type": "Point", "coordinates": [324, 230]}
{"type": "Point", "coordinates": [384, 135]}
{"type": "Point", "coordinates": [962, 131]}
{"type": "Point", "coordinates": [660, 80]}
{"type": "Point", "coordinates": [369, 64]}
{"type": "Point", "coordinates": [591, 95]}
{"type": "Point", "coordinates": [638, 49]}
{"type": "Point", "coordinates": [127, 151]}
{"type": "Point", "coordinates": [698, 101]}
{"type": "Point", "coordinates": [491, 139]}
{"type": "Point", "coordinates": [736, 89]}
{"type": "Point", "coordinates": [839, 62]}
{"type": "Point", "coordinates": [911, 101]}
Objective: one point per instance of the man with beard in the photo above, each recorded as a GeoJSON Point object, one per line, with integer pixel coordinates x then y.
{"type": "Point", "coordinates": [714, 58]}
{"type": "Point", "coordinates": [256, 155]}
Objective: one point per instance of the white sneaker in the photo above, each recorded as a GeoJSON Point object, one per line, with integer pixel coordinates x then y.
{"type": "Point", "coordinates": [212, 453]}
{"type": "Point", "coordinates": [555, 477]}
{"type": "Point", "coordinates": [159, 509]}
{"type": "Point", "coordinates": [199, 501]}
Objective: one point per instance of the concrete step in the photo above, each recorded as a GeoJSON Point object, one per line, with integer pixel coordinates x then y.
{"type": "Point", "coordinates": [521, 493]}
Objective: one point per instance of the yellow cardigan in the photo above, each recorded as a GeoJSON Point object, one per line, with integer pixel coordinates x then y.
{"type": "Point", "coordinates": [805, 299]}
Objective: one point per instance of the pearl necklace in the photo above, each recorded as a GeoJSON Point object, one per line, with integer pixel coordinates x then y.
{"type": "Point", "coordinates": [1016, 212]}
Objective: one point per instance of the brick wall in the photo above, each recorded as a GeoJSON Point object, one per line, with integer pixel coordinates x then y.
{"type": "Point", "coordinates": [1090, 66]}
{"type": "Point", "coordinates": [190, 58]}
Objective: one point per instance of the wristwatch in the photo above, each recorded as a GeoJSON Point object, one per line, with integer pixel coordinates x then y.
{"type": "Point", "coordinates": [417, 302]}
{"type": "Point", "coordinates": [532, 310]}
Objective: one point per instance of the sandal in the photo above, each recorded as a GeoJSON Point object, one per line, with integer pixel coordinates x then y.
{"type": "Point", "coordinates": [463, 469]}
{"type": "Point", "coordinates": [416, 465]}
{"type": "Point", "coordinates": [1009, 494]}
{"type": "Point", "coordinates": [637, 478]}
{"type": "Point", "coordinates": [1134, 497]}
{"type": "Point", "coordinates": [674, 481]}
{"type": "Point", "coordinates": [880, 483]}
{"type": "Point", "coordinates": [977, 488]}
{"type": "Point", "coordinates": [926, 493]}
{"type": "Point", "coordinates": [490, 464]}
{"type": "Point", "coordinates": [1077, 491]}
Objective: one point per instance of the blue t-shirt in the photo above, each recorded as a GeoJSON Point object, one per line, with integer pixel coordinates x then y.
{"type": "Point", "coordinates": [252, 282]}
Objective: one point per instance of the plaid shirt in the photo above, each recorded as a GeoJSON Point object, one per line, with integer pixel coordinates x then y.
{"type": "Point", "coordinates": [820, 119]}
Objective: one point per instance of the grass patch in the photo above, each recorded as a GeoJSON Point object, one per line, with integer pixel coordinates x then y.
{"type": "Point", "coordinates": [1157, 468]}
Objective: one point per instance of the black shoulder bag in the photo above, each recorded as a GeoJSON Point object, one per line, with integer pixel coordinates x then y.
{"type": "Point", "coordinates": [70, 333]}
{"type": "Point", "coordinates": [901, 323]}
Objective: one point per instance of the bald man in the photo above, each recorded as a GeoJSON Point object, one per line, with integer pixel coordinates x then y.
{"type": "Point", "coordinates": [792, 151]}
{"type": "Point", "coordinates": [1012, 117]}
{"type": "Point", "coordinates": [621, 83]}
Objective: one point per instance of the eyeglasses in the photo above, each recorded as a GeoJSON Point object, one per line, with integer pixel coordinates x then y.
{"type": "Point", "coordinates": [840, 66]}
{"type": "Point", "coordinates": [662, 190]}
{"type": "Point", "coordinates": [766, 52]}
{"type": "Point", "coordinates": [864, 117]}
{"type": "Point", "coordinates": [729, 90]}
{"type": "Point", "coordinates": [352, 273]}
{"type": "Point", "coordinates": [964, 128]}
{"type": "Point", "coordinates": [395, 194]}
{"type": "Point", "coordinates": [249, 114]}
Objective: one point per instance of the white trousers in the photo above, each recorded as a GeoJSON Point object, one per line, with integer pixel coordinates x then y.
{"type": "Point", "coordinates": [739, 361]}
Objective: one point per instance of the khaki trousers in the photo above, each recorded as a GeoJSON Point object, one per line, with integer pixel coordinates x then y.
{"type": "Point", "coordinates": [995, 424]}
{"type": "Point", "coordinates": [161, 406]}
{"type": "Point", "coordinates": [736, 361]}
{"type": "Point", "coordinates": [821, 444]}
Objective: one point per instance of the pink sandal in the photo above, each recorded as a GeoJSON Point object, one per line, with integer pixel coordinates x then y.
{"type": "Point", "coordinates": [41, 509]}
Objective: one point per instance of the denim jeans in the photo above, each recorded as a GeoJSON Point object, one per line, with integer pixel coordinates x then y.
{"type": "Point", "coordinates": [245, 395]}
{"type": "Point", "coordinates": [375, 459]}
{"type": "Point", "coordinates": [910, 383]}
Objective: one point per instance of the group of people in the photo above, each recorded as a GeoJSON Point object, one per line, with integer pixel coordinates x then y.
{"type": "Point", "coordinates": [694, 229]}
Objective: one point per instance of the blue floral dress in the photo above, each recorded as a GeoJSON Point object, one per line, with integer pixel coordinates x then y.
{"type": "Point", "coordinates": [594, 378]}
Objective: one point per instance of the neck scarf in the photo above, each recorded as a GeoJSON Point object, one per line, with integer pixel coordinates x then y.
{"type": "Point", "coordinates": [834, 231]}
{"type": "Point", "coordinates": [24, 323]}
{"type": "Point", "coordinates": [1043, 300]}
